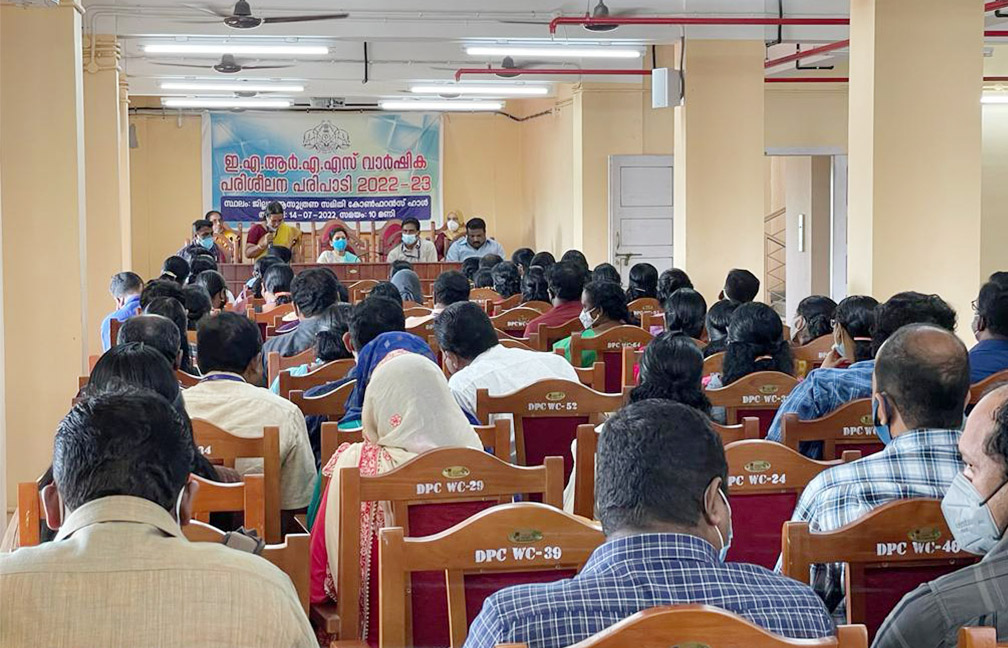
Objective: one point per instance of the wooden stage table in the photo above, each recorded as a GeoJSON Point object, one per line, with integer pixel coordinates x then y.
{"type": "Point", "coordinates": [236, 274]}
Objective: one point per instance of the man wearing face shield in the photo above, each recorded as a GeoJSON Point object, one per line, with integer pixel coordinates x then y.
{"type": "Point", "coordinates": [976, 509]}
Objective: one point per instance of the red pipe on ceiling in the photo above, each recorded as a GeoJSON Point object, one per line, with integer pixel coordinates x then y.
{"type": "Point", "coordinates": [797, 56]}
{"type": "Point", "coordinates": [994, 6]}
{"type": "Point", "coordinates": [549, 71]}
{"type": "Point", "coordinates": [846, 79]}
{"type": "Point", "coordinates": [994, 33]}
{"type": "Point", "coordinates": [691, 20]}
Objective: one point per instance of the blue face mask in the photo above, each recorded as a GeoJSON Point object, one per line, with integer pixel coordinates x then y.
{"type": "Point", "coordinates": [884, 435]}
{"type": "Point", "coordinates": [339, 245]}
{"type": "Point", "coordinates": [409, 239]}
{"type": "Point", "coordinates": [207, 242]}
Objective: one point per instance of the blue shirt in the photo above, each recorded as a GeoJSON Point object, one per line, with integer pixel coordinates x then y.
{"type": "Point", "coordinates": [460, 250]}
{"type": "Point", "coordinates": [987, 358]}
{"type": "Point", "coordinates": [823, 391]}
{"type": "Point", "coordinates": [129, 309]}
{"type": "Point", "coordinates": [627, 575]}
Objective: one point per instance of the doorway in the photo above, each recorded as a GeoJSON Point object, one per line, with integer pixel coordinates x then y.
{"type": "Point", "coordinates": [640, 212]}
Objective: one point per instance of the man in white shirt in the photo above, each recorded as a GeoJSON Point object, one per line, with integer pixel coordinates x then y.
{"type": "Point", "coordinates": [476, 360]}
{"type": "Point", "coordinates": [413, 248]}
{"type": "Point", "coordinates": [120, 572]}
{"type": "Point", "coordinates": [231, 396]}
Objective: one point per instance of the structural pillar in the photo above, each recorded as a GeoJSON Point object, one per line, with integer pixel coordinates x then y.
{"type": "Point", "coordinates": [43, 224]}
{"type": "Point", "coordinates": [915, 150]}
{"type": "Point", "coordinates": [719, 166]}
{"type": "Point", "coordinates": [125, 211]}
{"type": "Point", "coordinates": [807, 181]}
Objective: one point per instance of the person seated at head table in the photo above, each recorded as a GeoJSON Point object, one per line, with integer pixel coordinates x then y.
{"type": "Point", "coordinates": [670, 281]}
{"type": "Point", "coordinates": [328, 343]}
{"type": "Point", "coordinates": [606, 272]}
{"type": "Point", "coordinates": [668, 527]}
{"type": "Point", "coordinates": [755, 343]}
{"type": "Point", "coordinates": [453, 223]}
{"type": "Point", "coordinates": [824, 390]}
{"type": "Point", "coordinates": [413, 247]}
{"type": "Point", "coordinates": [223, 235]}
{"type": "Point", "coordinates": [483, 278]}
{"type": "Point", "coordinates": [175, 268]}
{"type": "Point", "coordinates": [312, 291]}
{"type": "Point", "coordinates": [173, 309]}
{"type": "Point", "coordinates": [409, 286]}
{"type": "Point", "coordinates": [272, 231]}
{"type": "Point", "coordinates": [604, 307]}
{"type": "Point", "coordinates": [976, 509]}
{"type": "Point", "coordinates": [643, 282]}
{"type": "Point", "coordinates": [535, 287]}
{"type": "Point", "coordinates": [202, 241]}
{"type": "Point", "coordinates": [522, 257]}
{"type": "Point", "coordinates": [121, 490]}
{"type": "Point", "coordinates": [407, 410]}
{"type": "Point", "coordinates": [449, 288]}
{"type": "Point", "coordinates": [565, 284]}
{"type": "Point", "coordinates": [671, 369]}
{"type": "Point", "coordinates": [740, 286]}
{"type": "Point", "coordinates": [716, 322]}
{"type": "Point", "coordinates": [125, 289]}
{"type": "Point", "coordinates": [338, 253]}
{"type": "Point", "coordinates": [813, 319]}
{"type": "Point", "coordinates": [920, 387]}
{"type": "Point", "coordinates": [475, 359]}
{"type": "Point", "coordinates": [231, 395]}
{"type": "Point", "coordinates": [475, 243]}
{"type": "Point", "coordinates": [852, 325]}
{"type": "Point", "coordinates": [216, 287]}
{"type": "Point", "coordinates": [685, 311]}
{"type": "Point", "coordinates": [990, 326]}
{"type": "Point", "coordinates": [506, 279]}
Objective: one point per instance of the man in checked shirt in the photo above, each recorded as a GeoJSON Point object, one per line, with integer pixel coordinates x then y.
{"type": "Point", "coordinates": [920, 387]}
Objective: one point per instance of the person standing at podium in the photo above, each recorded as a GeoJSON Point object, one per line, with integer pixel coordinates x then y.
{"type": "Point", "coordinates": [272, 231]}
{"type": "Point", "coordinates": [413, 248]}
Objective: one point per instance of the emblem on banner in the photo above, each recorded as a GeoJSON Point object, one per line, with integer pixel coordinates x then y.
{"type": "Point", "coordinates": [326, 138]}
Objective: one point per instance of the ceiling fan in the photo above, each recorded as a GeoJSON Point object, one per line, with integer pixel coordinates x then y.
{"type": "Point", "coordinates": [599, 12]}
{"type": "Point", "coordinates": [241, 16]}
{"type": "Point", "coordinates": [227, 65]}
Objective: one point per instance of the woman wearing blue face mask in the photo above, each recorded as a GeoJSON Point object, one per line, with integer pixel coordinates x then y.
{"type": "Point", "coordinates": [339, 252]}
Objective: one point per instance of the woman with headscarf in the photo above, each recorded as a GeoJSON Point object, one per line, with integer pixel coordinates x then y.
{"type": "Point", "coordinates": [408, 409]}
{"type": "Point", "coordinates": [409, 286]}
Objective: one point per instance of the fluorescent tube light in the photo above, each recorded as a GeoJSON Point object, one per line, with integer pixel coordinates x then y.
{"type": "Point", "coordinates": [555, 52]}
{"type": "Point", "coordinates": [485, 90]}
{"type": "Point", "coordinates": [439, 105]}
{"type": "Point", "coordinates": [204, 102]}
{"type": "Point", "coordinates": [233, 86]}
{"type": "Point", "coordinates": [994, 98]}
{"type": "Point", "coordinates": [233, 48]}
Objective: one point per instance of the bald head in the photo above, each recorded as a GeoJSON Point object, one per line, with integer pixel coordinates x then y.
{"type": "Point", "coordinates": [156, 331]}
{"type": "Point", "coordinates": [923, 372]}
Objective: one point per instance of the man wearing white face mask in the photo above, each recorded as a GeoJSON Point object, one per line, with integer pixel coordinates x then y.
{"type": "Point", "coordinates": [120, 572]}
{"type": "Point", "coordinates": [668, 527]}
{"type": "Point", "coordinates": [976, 509]}
{"type": "Point", "coordinates": [413, 248]}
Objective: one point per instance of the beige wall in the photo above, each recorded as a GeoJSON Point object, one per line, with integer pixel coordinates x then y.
{"type": "Point", "coordinates": [810, 117]}
{"type": "Point", "coordinates": [547, 168]}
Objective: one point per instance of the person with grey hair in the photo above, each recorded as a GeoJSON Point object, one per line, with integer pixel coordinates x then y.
{"type": "Point", "coordinates": [125, 288]}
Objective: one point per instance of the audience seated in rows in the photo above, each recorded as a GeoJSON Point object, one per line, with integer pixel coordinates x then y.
{"type": "Point", "coordinates": [852, 325]}
{"type": "Point", "coordinates": [565, 284]}
{"type": "Point", "coordinates": [254, 286]}
{"type": "Point", "coordinates": [176, 269]}
{"type": "Point", "coordinates": [483, 278]}
{"type": "Point", "coordinates": [407, 409]}
{"type": "Point", "coordinates": [606, 272]}
{"type": "Point", "coordinates": [174, 310]}
{"type": "Point", "coordinates": [197, 304]}
{"type": "Point", "coordinates": [125, 289]}
{"type": "Point", "coordinates": [313, 291]}
{"type": "Point", "coordinates": [474, 244]}
{"type": "Point", "coordinates": [535, 286]}
{"type": "Point", "coordinates": [328, 345]}
{"type": "Point", "coordinates": [413, 247]}
{"type": "Point", "coordinates": [120, 571]}
{"type": "Point", "coordinates": [276, 285]}
{"type": "Point", "coordinates": [920, 386]}
{"type": "Point", "coordinates": [232, 396]}
{"type": "Point", "coordinates": [475, 360]}
{"type": "Point", "coordinates": [157, 332]}
{"type": "Point", "coordinates": [522, 257]}
{"type": "Point", "coordinates": [716, 323]}
{"type": "Point", "coordinates": [685, 312]}
{"type": "Point", "coordinates": [976, 509]}
{"type": "Point", "coordinates": [813, 319]}
{"type": "Point", "coordinates": [543, 260]}
{"type": "Point", "coordinates": [643, 282]}
{"type": "Point", "coordinates": [449, 288]}
{"type": "Point", "coordinates": [670, 281]}
{"type": "Point", "coordinates": [990, 326]}
{"type": "Point", "coordinates": [824, 390]}
{"type": "Point", "coordinates": [215, 285]}
{"type": "Point", "coordinates": [506, 279]}
{"type": "Point", "coordinates": [490, 261]}
{"type": "Point", "coordinates": [470, 267]}
{"type": "Point", "coordinates": [408, 283]}
{"type": "Point", "coordinates": [668, 528]}
{"type": "Point", "coordinates": [740, 286]}
{"type": "Point", "coordinates": [604, 307]}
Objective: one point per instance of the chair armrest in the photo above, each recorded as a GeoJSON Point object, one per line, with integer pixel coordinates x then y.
{"type": "Point", "coordinates": [325, 617]}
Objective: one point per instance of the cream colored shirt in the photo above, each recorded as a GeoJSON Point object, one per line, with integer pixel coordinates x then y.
{"type": "Point", "coordinates": [424, 253]}
{"type": "Point", "coordinates": [120, 573]}
{"type": "Point", "coordinates": [243, 410]}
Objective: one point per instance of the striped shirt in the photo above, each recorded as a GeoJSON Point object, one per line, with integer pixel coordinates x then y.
{"type": "Point", "coordinates": [918, 463]}
{"type": "Point", "coordinates": [630, 574]}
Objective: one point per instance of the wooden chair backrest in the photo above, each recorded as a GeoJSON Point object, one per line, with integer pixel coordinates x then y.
{"type": "Point", "coordinates": [416, 311]}
{"type": "Point", "coordinates": [292, 556]}
{"type": "Point", "coordinates": [631, 361]}
{"type": "Point", "coordinates": [328, 372]}
{"type": "Point", "coordinates": [747, 430]}
{"type": "Point", "coordinates": [763, 390]}
{"type": "Point", "coordinates": [114, 326]}
{"type": "Point", "coordinates": [332, 438]}
{"type": "Point", "coordinates": [272, 315]}
{"type": "Point", "coordinates": [275, 363]}
{"type": "Point", "coordinates": [525, 536]}
{"type": "Point", "coordinates": [979, 638]}
{"type": "Point", "coordinates": [707, 626]}
{"type": "Point", "coordinates": [584, 466]}
{"type": "Point", "coordinates": [186, 379]}
{"type": "Point", "coordinates": [644, 305]}
{"type": "Point", "coordinates": [547, 336]}
{"type": "Point", "coordinates": [514, 321]}
{"type": "Point", "coordinates": [593, 376]}
{"type": "Point", "coordinates": [29, 510]}
{"type": "Point", "coordinates": [713, 363]}
{"type": "Point", "coordinates": [246, 496]}
{"type": "Point", "coordinates": [484, 294]}
{"type": "Point", "coordinates": [650, 321]}
{"type": "Point", "coordinates": [980, 389]}
{"type": "Point", "coordinates": [506, 303]}
{"type": "Point", "coordinates": [510, 343]}
{"type": "Point", "coordinates": [850, 427]}
{"type": "Point", "coordinates": [438, 476]}
{"type": "Point", "coordinates": [608, 348]}
{"type": "Point", "coordinates": [217, 443]}
{"type": "Point", "coordinates": [332, 405]}
{"type": "Point", "coordinates": [359, 289]}
{"type": "Point", "coordinates": [540, 306]}
{"type": "Point", "coordinates": [811, 356]}
{"type": "Point", "coordinates": [905, 534]}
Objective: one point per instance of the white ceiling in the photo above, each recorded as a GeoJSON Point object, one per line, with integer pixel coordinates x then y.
{"type": "Point", "coordinates": [423, 40]}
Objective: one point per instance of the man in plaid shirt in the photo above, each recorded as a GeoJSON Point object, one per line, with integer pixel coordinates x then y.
{"type": "Point", "coordinates": [668, 526]}
{"type": "Point", "coordinates": [919, 391]}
